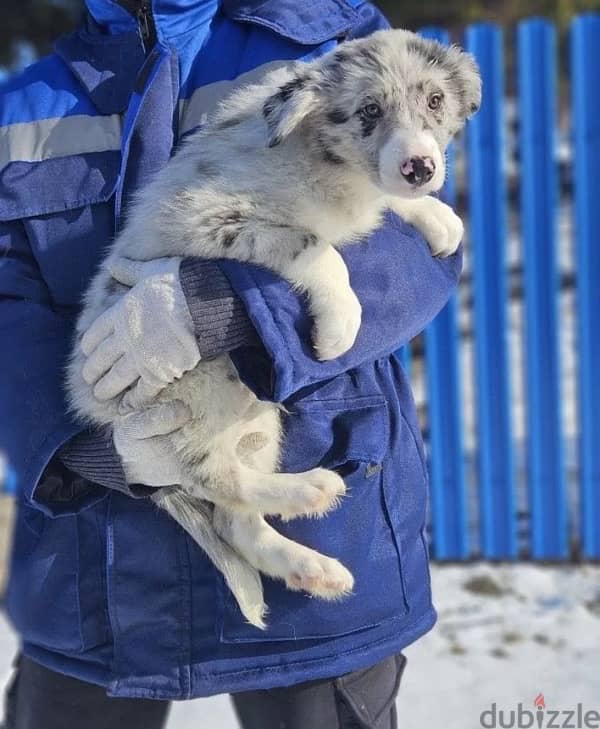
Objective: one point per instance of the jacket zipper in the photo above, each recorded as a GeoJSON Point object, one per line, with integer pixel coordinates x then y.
{"type": "Point", "coordinates": [142, 12]}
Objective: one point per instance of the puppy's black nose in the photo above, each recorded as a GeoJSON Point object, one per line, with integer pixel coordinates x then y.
{"type": "Point", "coordinates": [418, 170]}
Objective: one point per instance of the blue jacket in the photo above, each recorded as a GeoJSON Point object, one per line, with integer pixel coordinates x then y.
{"type": "Point", "coordinates": [111, 590]}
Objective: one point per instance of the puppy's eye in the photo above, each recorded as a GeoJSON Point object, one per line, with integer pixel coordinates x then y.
{"type": "Point", "coordinates": [435, 101]}
{"type": "Point", "coordinates": [371, 111]}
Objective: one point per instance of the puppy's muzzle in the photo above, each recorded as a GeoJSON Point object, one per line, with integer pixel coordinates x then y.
{"type": "Point", "coordinates": [418, 170]}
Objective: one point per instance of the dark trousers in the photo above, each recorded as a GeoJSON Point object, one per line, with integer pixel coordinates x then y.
{"type": "Point", "coordinates": [38, 698]}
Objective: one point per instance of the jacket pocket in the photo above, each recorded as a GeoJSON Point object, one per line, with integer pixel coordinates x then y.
{"type": "Point", "coordinates": [52, 602]}
{"type": "Point", "coordinates": [69, 225]}
{"type": "Point", "coordinates": [35, 188]}
{"type": "Point", "coordinates": [352, 437]}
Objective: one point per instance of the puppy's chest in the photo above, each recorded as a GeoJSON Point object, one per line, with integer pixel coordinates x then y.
{"type": "Point", "coordinates": [337, 225]}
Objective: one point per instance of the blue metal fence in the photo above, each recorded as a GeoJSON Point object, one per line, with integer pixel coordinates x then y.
{"type": "Point", "coordinates": [551, 499]}
{"type": "Point", "coordinates": [585, 65]}
{"type": "Point", "coordinates": [537, 80]}
{"type": "Point", "coordinates": [447, 474]}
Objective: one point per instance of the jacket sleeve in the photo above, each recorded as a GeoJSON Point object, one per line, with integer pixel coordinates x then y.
{"type": "Point", "coordinates": [401, 288]}
{"type": "Point", "coordinates": [35, 339]}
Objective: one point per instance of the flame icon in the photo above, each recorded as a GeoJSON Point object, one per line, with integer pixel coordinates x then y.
{"type": "Point", "coordinates": [539, 702]}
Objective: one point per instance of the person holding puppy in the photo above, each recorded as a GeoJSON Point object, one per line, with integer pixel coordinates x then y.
{"type": "Point", "coordinates": [118, 611]}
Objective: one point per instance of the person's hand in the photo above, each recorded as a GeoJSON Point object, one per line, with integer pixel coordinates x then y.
{"type": "Point", "coordinates": [146, 339]}
{"type": "Point", "coordinates": [142, 440]}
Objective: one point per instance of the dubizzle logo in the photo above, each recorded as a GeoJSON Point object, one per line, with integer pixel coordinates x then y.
{"type": "Point", "coordinates": [540, 718]}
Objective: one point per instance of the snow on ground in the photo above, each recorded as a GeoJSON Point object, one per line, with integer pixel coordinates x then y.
{"type": "Point", "coordinates": [512, 633]}
{"type": "Point", "coordinates": [505, 634]}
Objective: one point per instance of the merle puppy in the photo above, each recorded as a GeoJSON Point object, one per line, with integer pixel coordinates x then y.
{"type": "Point", "coordinates": [286, 172]}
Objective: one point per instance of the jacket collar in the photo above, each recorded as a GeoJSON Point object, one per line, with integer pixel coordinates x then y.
{"type": "Point", "coordinates": [106, 54]}
{"type": "Point", "coordinates": [170, 17]}
{"type": "Point", "coordinates": [304, 21]}
{"type": "Point", "coordinates": [105, 65]}
{"type": "Point", "coordinates": [309, 22]}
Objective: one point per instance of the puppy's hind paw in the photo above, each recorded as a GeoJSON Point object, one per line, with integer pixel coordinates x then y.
{"type": "Point", "coordinates": [321, 577]}
{"type": "Point", "coordinates": [319, 493]}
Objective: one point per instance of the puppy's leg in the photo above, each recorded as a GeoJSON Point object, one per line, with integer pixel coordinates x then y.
{"type": "Point", "coordinates": [314, 267]}
{"type": "Point", "coordinates": [333, 303]}
{"type": "Point", "coordinates": [196, 517]}
{"type": "Point", "coordinates": [222, 478]}
{"type": "Point", "coordinates": [436, 221]}
{"type": "Point", "coordinates": [273, 554]}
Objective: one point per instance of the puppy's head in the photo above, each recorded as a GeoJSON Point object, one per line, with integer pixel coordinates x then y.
{"type": "Point", "coordinates": [386, 105]}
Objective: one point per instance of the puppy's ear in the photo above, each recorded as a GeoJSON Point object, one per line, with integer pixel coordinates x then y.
{"type": "Point", "coordinates": [467, 79]}
{"type": "Point", "coordinates": [285, 109]}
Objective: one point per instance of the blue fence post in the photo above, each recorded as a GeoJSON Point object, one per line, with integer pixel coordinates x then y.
{"type": "Point", "coordinates": [404, 354]}
{"type": "Point", "coordinates": [537, 74]}
{"type": "Point", "coordinates": [585, 65]}
{"type": "Point", "coordinates": [487, 203]}
{"type": "Point", "coordinates": [8, 478]}
{"type": "Point", "coordinates": [444, 405]}
{"type": "Point", "coordinates": [10, 485]}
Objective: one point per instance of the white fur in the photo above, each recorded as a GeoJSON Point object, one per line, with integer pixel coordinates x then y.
{"type": "Point", "coordinates": [288, 208]}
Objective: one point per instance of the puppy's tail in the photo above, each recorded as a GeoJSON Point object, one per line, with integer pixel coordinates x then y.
{"type": "Point", "coordinates": [195, 516]}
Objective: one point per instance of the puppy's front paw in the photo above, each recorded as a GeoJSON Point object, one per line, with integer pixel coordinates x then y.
{"type": "Point", "coordinates": [336, 328]}
{"type": "Point", "coordinates": [447, 232]}
{"type": "Point", "coordinates": [440, 225]}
